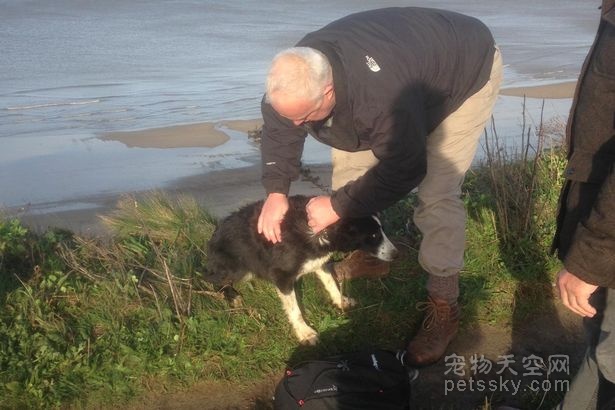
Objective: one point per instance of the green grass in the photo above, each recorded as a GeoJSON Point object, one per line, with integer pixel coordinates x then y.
{"type": "Point", "coordinates": [83, 321]}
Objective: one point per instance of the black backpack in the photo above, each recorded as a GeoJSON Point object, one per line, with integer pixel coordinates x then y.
{"type": "Point", "coordinates": [371, 379]}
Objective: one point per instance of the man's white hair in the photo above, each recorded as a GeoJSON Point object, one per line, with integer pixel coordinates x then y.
{"type": "Point", "coordinates": [299, 72]}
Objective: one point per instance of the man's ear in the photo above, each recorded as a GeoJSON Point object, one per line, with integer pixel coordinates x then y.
{"type": "Point", "coordinates": [328, 89]}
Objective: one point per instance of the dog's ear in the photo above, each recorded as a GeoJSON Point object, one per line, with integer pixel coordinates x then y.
{"type": "Point", "coordinates": [341, 227]}
{"type": "Point", "coordinates": [343, 234]}
{"type": "Point", "coordinates": [354, 225]}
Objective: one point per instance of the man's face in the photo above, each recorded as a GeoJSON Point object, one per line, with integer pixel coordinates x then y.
{"type": "Point", "coordinates": [301, 111]}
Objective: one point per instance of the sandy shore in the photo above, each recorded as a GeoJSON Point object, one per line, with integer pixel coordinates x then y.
{"type": "Point", "coordinates": [244, 126]}
{"type": "Point", "coordinates": [220, 192]}
{"type": "Point", "coordinates": [549, 91]}
{"type": "Point", "coordinates": [179, 136]}
{"type": "Point", "coordinates": [204, 134]}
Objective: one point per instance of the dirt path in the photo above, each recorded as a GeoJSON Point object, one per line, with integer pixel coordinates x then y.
{"type": "Point", "coordinates": [557, 332]}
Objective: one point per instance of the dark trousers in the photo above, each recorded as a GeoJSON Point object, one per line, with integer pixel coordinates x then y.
{"type": "Point", "coordinates": [593, 387]}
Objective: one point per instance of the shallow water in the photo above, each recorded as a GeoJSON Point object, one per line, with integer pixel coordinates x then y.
{"type": "Point", "coordinates": [72, 70]}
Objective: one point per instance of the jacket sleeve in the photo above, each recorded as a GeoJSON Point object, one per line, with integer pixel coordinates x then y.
{"type": "Point", "coordinates": [399, 146]}
{"type": "Point", "coordinates": [591, 256]}
{"type": "Point", "coordinates": [281, 150]}
{"type": "Point", "coordinates": [592, 253]}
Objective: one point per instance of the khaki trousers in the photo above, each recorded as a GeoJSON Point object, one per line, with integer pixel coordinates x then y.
{"type": "Point", "coordinates": [440, 214]}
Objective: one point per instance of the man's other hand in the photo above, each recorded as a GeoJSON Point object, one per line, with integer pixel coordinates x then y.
{"type": "Point", "coordinates": [575, 293]}
{"type": "Point", "coordinates": [320, 213]}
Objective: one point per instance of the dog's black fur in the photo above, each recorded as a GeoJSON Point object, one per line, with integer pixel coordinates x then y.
{"type": "Point", "coordinates": [237, 250]}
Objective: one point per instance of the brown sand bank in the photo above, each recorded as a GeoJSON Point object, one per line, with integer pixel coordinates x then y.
{"type": "Point", "coordinates": [205, 134]}
{"type": "Point", "coordinates": [549, 91]}
{"type": "Point", "coordinates": [244, 126]}
{"type": "Point", "coordinates": [177, 136]}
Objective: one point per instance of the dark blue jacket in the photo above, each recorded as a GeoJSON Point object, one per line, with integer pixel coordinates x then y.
{"type": "Point", "coordinates": [397, 73]}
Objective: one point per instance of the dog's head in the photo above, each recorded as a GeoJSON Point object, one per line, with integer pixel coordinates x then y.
{"type": "Point", "coordinates": [366, 234]}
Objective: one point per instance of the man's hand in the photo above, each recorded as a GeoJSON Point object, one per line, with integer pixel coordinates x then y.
{"type": "Point", "coordinates": [320, 213]}
{"type": "Point", "coordinates": [575, 293]}
{"type": "Point", "coordinates": [271, 217]}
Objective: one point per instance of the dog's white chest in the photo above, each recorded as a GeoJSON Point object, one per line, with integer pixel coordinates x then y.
{"type": "Point", "coordinates": [312, 265]}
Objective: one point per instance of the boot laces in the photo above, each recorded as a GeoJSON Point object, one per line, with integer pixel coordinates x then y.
{"type": "Point", "coordinates": [435, 313]}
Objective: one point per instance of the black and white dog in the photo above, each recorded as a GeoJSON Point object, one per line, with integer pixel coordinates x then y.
{"type": "Point", "coordinates": [237, 251]}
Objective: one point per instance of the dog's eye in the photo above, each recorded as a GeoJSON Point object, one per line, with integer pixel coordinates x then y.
{"type": "Point", "coordinates": [374, 235]}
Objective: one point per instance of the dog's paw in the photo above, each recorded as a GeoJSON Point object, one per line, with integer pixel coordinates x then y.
{"type": "Point", "coordinates": [308, 336]}
{"type": "Point", "coordinates": [236, 302]}
{"type": "Point", "coordinates": [347, 303]}
{"type": "Point", "coordinates": [233, 297]}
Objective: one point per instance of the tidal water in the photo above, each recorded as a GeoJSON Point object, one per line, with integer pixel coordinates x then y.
{"type": "Point", "coordinates": [71, 70]}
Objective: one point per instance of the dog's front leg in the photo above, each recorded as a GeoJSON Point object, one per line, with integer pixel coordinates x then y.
{"type": "Point", "coordinates": [304, 333]}
{"type": "Point", "coordinates": [339, 300]}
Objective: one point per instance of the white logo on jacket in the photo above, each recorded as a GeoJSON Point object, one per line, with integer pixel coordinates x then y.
{"type": "Point", "coordinates": [372, 64]}
{"type": "Point", "coordinates": [375, 362]}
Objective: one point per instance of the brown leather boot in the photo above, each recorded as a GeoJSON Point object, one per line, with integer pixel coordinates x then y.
{"type": "Point", "coordinates": [437, 331]}
{"type": "Point", "coordinates": [360, 264]}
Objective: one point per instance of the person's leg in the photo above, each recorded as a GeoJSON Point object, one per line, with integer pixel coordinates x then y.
{"type": "Point", "coordinates": [593, 386]}
{"type": "Point", "coordinates": [584, 387]}
{"type": "Point", "coordinates": [583, 393]}
{"type": "Point", "coordinates": [440, 216]}
{"type": "Point", "coordinates": [348, 166]}
{"type": "Point", "coordinates": [605, 353]}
